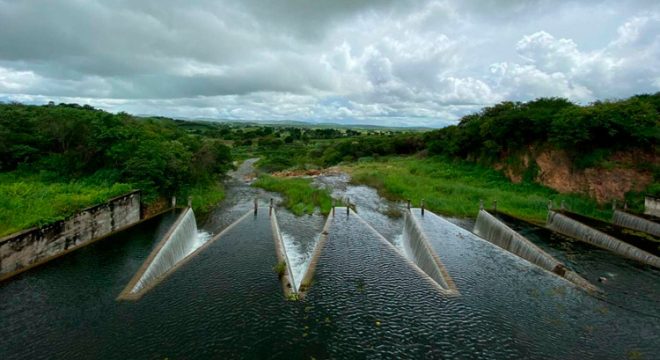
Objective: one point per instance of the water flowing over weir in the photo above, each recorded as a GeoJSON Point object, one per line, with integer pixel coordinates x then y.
{"type": "Point", "coordinates": [635, 222]}
{"type": "Point", "coordinates": [417, 247]}
{"type": "Point", "coordinates": [435, 275]}
{"type": "Point", "coordinates": [498, 233]}
{"type": "Point", "coordinates": [567, 226]}
{"type": "Point", "coordinates": [180, 241]}
{"type": "Point", "coordinates": [289, 284]}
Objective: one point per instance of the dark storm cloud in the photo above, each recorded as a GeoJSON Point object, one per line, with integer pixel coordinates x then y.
{"type": "Point", "coordinates": [405, 62]}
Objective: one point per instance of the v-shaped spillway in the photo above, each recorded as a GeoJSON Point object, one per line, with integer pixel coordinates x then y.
{"type": "Point", "coordinates": [492, 229]}
{"type": "Point", "coordinates": [567, 225]}
{"type": "Point", "coordinates": [180, 241]}
{"type": "Point", "coordinates": [417, 248]}
{"type": "Point", "coordinates": [352, 248]}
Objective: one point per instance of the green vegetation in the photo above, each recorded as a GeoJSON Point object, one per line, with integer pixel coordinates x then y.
{"type": "Point", "coordinates": [67, 145]}
{"type": "Point", "coordinates": [501, 134]}
{"type": "Point", "coordinates": [205, 196]}
{"type": "Point", "coordinates": [589, 134]}
{"type": "Point", "coordinates": [280, 268]}
{"type": "Point", "coordinates": [454, 187]}
{"type": "Point", "coordinates": [32, 200]}
{"type": "Point", "coordinates": [300, 197]}
{"type": "Point", "coordinates": [79, 144]}
{"type": "Point", "coordinates": [293, 297]}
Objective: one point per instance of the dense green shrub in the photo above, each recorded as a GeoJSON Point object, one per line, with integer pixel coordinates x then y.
{"type": "Point", "coordinates": [588, 133]}
{"type": "Point", "coordinates": [70, 141]}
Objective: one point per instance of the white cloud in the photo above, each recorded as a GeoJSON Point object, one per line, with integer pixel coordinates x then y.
{"type": "Point", "coordinates": [413, 62]}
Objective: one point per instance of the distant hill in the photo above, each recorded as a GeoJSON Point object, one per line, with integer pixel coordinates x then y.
{"type": "Point", "coordinates": [302, 124]}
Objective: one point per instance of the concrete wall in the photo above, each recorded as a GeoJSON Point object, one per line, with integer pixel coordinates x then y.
{"type": "Point", "coordinates": [652, 206]}
{"type": "Point", "coordinates": [497, 232]}
{"type": "Point", "coordinates": [419, 250]}
{"type": "Point", "coordinates": [565, 225]}
{"type": "Point", "coordinates": [23, 250]}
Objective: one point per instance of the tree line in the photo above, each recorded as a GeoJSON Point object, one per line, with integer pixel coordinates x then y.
{"type": "Point", "coordinates": [69, 141]}
{"type": "Point", "coordinates": [589, 132]}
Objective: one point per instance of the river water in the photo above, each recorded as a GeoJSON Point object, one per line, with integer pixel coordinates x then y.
{"type": "Point", "coordinates": [365, 301]}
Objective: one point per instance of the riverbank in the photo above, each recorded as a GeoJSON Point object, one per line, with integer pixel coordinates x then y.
{"type": "Point", "coordinates": [31, 200]}
{"type": "Point", "coordinates": [454, 188]}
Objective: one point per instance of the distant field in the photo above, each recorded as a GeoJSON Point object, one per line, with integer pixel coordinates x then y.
{"type": "Point", "coordinates": [455, 188]}
{"type": "Point", "coordinates": [27, 201]}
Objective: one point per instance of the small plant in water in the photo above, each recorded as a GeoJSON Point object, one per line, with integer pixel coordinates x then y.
{"type": "Point", "coordinates": [360, 285]}
{"type": "Point", "coordinates": [393, 212]}
{"type": "Point", "coordinates": [280, 268]}
{"type": "Point", "coordinates": [635, 355]}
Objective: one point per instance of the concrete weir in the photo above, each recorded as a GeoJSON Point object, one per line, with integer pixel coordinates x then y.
{"type": "Point", "coordinates": [498, 233]}
{"type": "Point", "coordinates": [286, 278]}
{"type": "Point", "coordinates": [634, 222]}
{"type": "Point", "coordinates": [306, 281]}
{"type": "Point", "coordinates": [340, 225]}
{"type": "Point", "coordinates": [652, 206]}
{"type": "Point", "coordinates": [180, 244]}
{"type": "Point", "coordinates": [417, 247]}
{"type": "Point", "coordinates": [177, 244]}
{"type": "Point", "coordinates": [565, 225]}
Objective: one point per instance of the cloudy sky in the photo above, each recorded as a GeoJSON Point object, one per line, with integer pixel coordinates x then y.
{"type": "Point", "coordinates": [406, 62]}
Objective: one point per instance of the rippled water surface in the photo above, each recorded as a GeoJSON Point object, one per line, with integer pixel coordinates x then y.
{"type": "Point", "coordinates": [366, 300]}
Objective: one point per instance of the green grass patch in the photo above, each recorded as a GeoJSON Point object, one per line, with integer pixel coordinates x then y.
{"type": "Point", "coordinates": [300, 196]}
{"type": "Point", "coordinates": [280, 268]}
{"type": "Point", "coordinates": [30, 200]}
{"type": "Point", "coordinates": [205, 196]}
{"type": "Point", "coordinates": [454, 188]}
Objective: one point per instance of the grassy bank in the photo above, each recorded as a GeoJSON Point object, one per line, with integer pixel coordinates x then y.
{"type": "Point", "coordinates": [27, 201]}
{"type": "Point", "coordinates": [300, 197]}
{"type": "Point", "coordinates": [205, 196]}
{"type": "Point", "coordinates": [454, 188]}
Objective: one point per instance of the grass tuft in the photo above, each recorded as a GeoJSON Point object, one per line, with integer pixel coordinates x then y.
{"type": "Point", "coordinates": [280, 268]}
{"type": "Point", "coordinates": [300, 196]}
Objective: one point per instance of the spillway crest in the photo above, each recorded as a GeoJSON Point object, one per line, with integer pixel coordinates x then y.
{"type": "Point", "coordinates": [567, 226]}
{"type": "Point", "coordinates": [635, 222]}
{"type": "Point", "coordinates": [417, 248]}
{"type": "Point", "coordinates": [498, 233]}
{"type": "Point", "coordinates": [182, 239]}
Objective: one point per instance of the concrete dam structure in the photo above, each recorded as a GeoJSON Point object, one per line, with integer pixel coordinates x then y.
{"type": "Point", "coordinates": [351, 247]}
{"type": "Point", "coordinates": [417, 247]}
{"type": "Point", "coordinates": [183, 241]}
{"type": "Point", "coordinates": [652, 206]}
{"type": "Point", "coordinates": [289, 284]}
{"type": "Point", "coordinates": [635, 222]}
{"type": "Point", "coordinates": [366, 299]}
{"type": "Point", "coordinates": [33, 247]}
{"type": "Point", "coordinates": [566, 225]}
{"type": "Point", "coordinates": [179, 242]}
{"type": "Point", "coordinates": [492, 229]}
{"type": "Point", "coordinates": [418, 253]}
